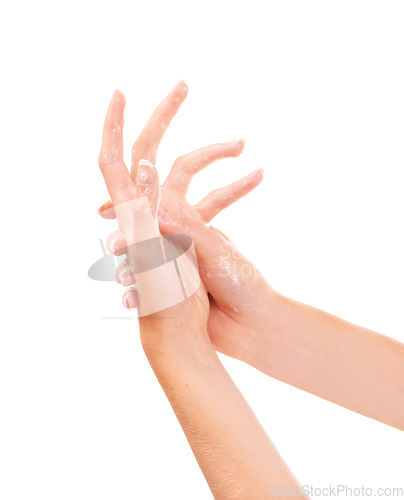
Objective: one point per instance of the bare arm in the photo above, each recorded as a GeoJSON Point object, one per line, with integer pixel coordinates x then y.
{"type": "Point", "coordinates": [235, 454]}
{"type": "Point", "coordinates": [331, 358]}
{"type": "Point", "coordinates": [310, 349]}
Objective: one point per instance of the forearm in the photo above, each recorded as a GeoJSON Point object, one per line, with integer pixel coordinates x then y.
{"type": "Point", "coordinates": [235, 454]}
{"type": "Point", "coordinates": [331, 358]}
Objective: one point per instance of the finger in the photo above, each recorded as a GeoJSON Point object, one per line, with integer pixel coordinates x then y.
{"type": "Point", "coordinates": [124, 274]}
{"type": "Point", "coordinates": [137, 218]}
{"type": "Point", "coordinates": [221, 198]}
{"type": "Point", "coordinates": [147, 143]}
{"type": "Point", "coordinates": [107, 211]}
{"type": "Point", "coordinates": [110, 160]}
{"type": "Point", "coordinates": [185, 167]}
{"type": "Point", "coordinates": [179, 176]}
{"type": "Point", "coordinates": [130, 299]}
{"type": "Point", "coordinates": [116, 243]}
{"type": "Point", "coordinates": [147, 184]}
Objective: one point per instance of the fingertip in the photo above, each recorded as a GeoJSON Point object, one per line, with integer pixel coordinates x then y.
{"type": "Point", "coordinates": [108, 213]}
{"type": "Point", "coordinates": [129, 299]}
{"type": "Point", "coordinates": [241, 145]}
{"type": "Point", "coordinates": [116, 243]}
{"type": "Point", "coordinates": [183, 84]}
{"type": "Point", "coordinates": [182, 88]}
{"type": "Point", "coordinates": [124, 274]}
{"type": "Point", "coordinates": [111, 242]}
{"type": "Point", "coordinates": [255, 177]}
{"type": "Point", "coordinates": [119, 96]}
{"type": "Point", "coordinates": [127, 278]}
{"type": "Point", "coordinates": [116, 109]}
{"type": "Point", "coordinates": [236, 147]}
{"type": "Point", "coordinates": [102, 209]}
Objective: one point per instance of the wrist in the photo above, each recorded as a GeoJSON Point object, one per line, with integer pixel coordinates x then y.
{"type": "Point", "coordinates": [170, 338]}
{"type": "Point", "coordinates": [265, 344]}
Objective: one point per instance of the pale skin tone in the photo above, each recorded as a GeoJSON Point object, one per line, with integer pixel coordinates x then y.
{"type": "Point", "coordinates": [235, 454]}
{"type": "Point", "coordinates": [243, 318]}
{"type": "Point", "coordinates": [315, 351]}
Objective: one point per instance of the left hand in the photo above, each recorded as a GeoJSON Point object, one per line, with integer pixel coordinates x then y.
{"type": "Point", "coordinates": [130, 194]}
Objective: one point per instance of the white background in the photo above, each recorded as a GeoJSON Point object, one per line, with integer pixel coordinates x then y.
{"type": "Point", "coordinates": [316, 89]}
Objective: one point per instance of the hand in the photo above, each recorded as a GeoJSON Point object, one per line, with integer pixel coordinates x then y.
{"type": "Point", "coordinates": [290, 341]}
{"type": "Point", "coordinates": [135, 198]}
{"type": "Point", "coordinates": [239, 294]}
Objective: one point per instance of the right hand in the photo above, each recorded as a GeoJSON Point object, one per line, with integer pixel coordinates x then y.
{"type": "Point", "coordinates": [239, 294]}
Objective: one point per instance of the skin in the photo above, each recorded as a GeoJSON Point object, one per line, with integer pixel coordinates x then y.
{"type": "Point", "coordinates": [230, 279]}
{"type": "Point", "coordinates": [305, 347]}
{"type": "Point", "coordinates": [235, 454]}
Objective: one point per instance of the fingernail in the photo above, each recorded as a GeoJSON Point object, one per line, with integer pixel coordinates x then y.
{"type": "Point", "coordinates": [111, 245]}
{"type": "Point", "coordinates": [145, 176]}
{"type": "Point", "coordinates": [127, 278]}
{"type": "Point", "coordinates": [129, 299]}
{"type": "Point", "coordinates": [102, 207]}
{"type": "Point", "coordinates": [107, 211]}
{"type": "Point", "coordinates": [126, 275]}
